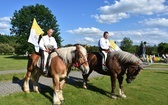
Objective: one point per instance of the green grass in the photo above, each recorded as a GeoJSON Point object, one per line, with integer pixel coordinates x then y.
{"type": "Point", "coordinates": [150, 88]}
{"type": "Point", "coordinates": [10, 62]}
{"type": "Point", "coordinates": [5, 77]}
{"type": "Point", "coordinates": [158, 65]}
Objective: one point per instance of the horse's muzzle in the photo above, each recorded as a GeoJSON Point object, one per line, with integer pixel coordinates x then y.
{"type": "Point", "coordinates": [128, 80]}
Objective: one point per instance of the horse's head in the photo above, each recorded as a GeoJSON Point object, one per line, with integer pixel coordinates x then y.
{"type": "Point", "coordinates": [133, 71]}
{"type": "Point", "coordinates": [81, 59]}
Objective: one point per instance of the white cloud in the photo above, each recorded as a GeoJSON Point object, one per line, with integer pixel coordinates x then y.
{"type": "Point", "coordinates": [106, 2]}
{"type": "Point", "coordinates": [129, 7]}
{"type": "Point", "coordinates": [151, 35]}
{"type": "Point", "coordinates": [163, 22]}
{"type": "Point", "coordinates": [112, 18]}
{"type": "Point", "coordinates": [89, 39]}
{"type": "Point", "coordinates": [5, 25]}
{"type": "Point", "coordinates": [5, 19]}
{"type": "Point", "coordinates": [86, 31]}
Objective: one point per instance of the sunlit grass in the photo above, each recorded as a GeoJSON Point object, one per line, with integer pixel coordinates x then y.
{"type": "Point", "coordinates": [149, 88]}
{"type": "Point", "coordinates": [10, 62]}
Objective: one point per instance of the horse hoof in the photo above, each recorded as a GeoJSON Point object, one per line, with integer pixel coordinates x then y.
{"type": "Point", "coordinates": [62, 101]}
{"type": "Point", "coordinates": [123, 96]}
{"type": "Point", "coordinates": [85, 87]}
{"type": "Point", "coordinates": [58, 103]}
{"type": "Point", "coordinates": [113, 96]}
{"type": "Point", "coordinates": [36, 91]}
{"type": "Point", "coordinates": [27, 91]}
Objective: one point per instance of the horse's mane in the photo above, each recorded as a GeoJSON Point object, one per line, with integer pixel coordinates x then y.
{"type": "Point", "coordinates": [67, 53]}
{"type": "Point", "coordinates": [125, 57]}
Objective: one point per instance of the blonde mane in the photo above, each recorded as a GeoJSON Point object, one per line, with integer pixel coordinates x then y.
{"type": "Point", "coordinates": [125, 57]}
{"type": "Point", "coordinates": [68, 53]}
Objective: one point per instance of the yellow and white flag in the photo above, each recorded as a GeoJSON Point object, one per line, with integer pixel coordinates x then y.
{"type": "Point", "coordinates": [114, 46]}
{"type": "Point", "coordinates": [35, 32]}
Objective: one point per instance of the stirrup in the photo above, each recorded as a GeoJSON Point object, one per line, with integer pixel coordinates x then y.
{"type": "Point", "coordinates": [104, 68]}
{"type": "Point", "coordinates": [45, 71]}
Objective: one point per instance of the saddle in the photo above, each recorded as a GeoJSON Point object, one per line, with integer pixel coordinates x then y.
{"type": "Point", "coordinates": [100, 57]}
{"type": "Point", "coordinates": [52, 55]}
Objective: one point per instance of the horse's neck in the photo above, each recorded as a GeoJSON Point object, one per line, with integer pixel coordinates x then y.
{"type": "Point", "coordinates": [67, 54]}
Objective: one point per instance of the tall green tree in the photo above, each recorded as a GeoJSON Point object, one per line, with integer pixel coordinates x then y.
{"type": "Point", "coordinates": [127, 45]}
{"type": "Point", "coordinates": [162, 48]}
{"type": "Point", "coordinates": [22, 21]}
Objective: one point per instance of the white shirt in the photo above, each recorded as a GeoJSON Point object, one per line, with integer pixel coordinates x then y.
{"type": "Point", "coordinates": [46, 40]}
{"type": "Point", "coordinates": [104, 43]}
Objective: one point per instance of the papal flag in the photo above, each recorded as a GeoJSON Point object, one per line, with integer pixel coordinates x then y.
{"type": "Point", "coordinates": [114, 46]}
{"type": "Point", "coordinates": [35, 32]}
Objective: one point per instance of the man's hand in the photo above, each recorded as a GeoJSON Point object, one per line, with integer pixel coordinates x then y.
{"type": "Point", "coordinates": [47, 50]}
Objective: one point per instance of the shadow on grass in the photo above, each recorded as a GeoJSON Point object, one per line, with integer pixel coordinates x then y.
{"type": "Point", "coordinates": [45, 90]}
{"type": "Point", "coordinates": [78, 83]}
{"type": "Point", "coordinates": [17, 57]}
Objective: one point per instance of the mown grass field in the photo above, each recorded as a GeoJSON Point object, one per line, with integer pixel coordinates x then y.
{"type": "Point", "coordinates": [150, 88]}
{"type": "Point", "coordinates": [10, 62]}
{"type": "Point", "coordinates": [159, 65]}
{"type": "Point", "coordinates": [6, 77]}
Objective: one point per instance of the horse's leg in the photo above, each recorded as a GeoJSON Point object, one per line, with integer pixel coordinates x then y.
{"type": "Point", "coordinates": [56, 100]}
{"type": "Point", "coordinates": [26, 82]}
{"type": "Point", "coordinates": [35, 82]}
{"type": "Point", "coordinates": [85, 79]}
{"type": "Point", "coordinates": [121, 90]}
{"type": "Point", "coordinates": [60, 95]}
{"type": "Point", "coordinates": [69, 70]}
{"type": "Point", "coordinates": [113, 85]}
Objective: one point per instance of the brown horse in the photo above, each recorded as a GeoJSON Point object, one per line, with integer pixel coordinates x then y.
{"type": "Point", "coordinates": [118, 64]}
{"type": "Point", "coordinates": [58, 69]}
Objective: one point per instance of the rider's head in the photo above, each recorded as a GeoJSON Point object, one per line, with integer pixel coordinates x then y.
{"type": "Point", "coordinates": [50, 32]}
{"type": "Point", "coordinates": [105, 35]}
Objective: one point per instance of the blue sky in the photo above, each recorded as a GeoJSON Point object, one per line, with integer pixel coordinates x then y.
{"type": "Point", "coordinates": [84, 21]}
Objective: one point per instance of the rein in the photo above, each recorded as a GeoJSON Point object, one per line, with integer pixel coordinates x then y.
{"type": "Point", "coordinates": [77, 64]}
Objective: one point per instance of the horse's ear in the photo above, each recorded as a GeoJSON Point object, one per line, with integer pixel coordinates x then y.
{"type": "Point", "coordinates": [136, 63]}
{"type": "Point", "coordinates": [85, 46]}
{"type": "Point", "coordinates": [77, 47]}
{"type": "Point", "coordinates": [140, 67]}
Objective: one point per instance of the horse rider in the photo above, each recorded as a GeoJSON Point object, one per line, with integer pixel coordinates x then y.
{"type": "Point", "coordinates": [104, 47]}
{"type": "Point", "coordinates": [47, 45]}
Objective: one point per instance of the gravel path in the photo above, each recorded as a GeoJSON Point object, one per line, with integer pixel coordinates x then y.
{"type": "Point", "coordinates": [12, 71]}
{"type": "Point", "coordinates": [15, 85]}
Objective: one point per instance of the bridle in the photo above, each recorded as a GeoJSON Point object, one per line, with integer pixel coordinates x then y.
{"type": "Point", "coordinates": [77, 64]}
{"type": "Point", "coordinates": [136, 68]}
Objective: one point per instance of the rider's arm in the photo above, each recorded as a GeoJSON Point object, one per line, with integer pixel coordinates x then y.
{"type": "Point", "coordinates": [41, 44]}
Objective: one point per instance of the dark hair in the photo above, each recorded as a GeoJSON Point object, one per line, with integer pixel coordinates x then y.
{"type": "Point", "coordinates": [105, 33]}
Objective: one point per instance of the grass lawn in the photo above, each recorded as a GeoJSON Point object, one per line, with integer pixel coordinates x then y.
{"type": "Point", "coordinates": [150, 88]}
{"type": "Point", "coordinates": [5, 77]}
{"type": "Point", "coordinates": [10, 62]}
{"type": "Point", "coordinates": [162, 65]}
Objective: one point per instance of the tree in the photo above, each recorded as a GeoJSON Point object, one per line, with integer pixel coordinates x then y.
{"type": "Point", "coordinates": [3, 39]}
{"type": "Point", "coordinates": [22, 21]}
{"type": "Point", "coordinates": [162, 48]}
{"type": "Point", "coordinates": [6, 49]}
{"type": "Point", "coordinates": [127, 45]}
